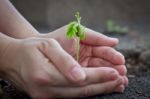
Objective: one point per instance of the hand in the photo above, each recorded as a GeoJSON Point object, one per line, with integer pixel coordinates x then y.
{"type": "Point", "coordinates": [30, 65]}
{"type": "Point", "coordinates": [95, 51]}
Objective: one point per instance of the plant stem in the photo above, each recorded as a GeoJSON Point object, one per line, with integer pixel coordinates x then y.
{"type": "Point", "coordinates": [77, 49]}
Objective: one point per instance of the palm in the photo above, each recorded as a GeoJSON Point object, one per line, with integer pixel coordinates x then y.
{"type": "Point", "coordinates": [95, 50]}
{"type": "Point", "coordinates": [87, 56]}
{"type": "Point", "coordinates": [89, 49]}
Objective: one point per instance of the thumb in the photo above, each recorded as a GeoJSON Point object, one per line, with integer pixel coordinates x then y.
{"type": "Point", "coordinates": [64, 62]}
{"type": "Point", "coordinates": [97, 39]}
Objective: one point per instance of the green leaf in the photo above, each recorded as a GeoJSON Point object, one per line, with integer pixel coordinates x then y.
{"type": "Point", "coordinates": [72, 29]}
{"type": "Point", "coordinates": [110, 25]}
{"type": "Point", "coordinates": [82, 36]}
{"type": "Point", "coordinates": [81, 32]}
{"type": "Point", "coordinates": [75, 29]}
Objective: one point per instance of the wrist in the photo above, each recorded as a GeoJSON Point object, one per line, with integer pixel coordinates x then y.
{"type": "Point", "coordinates": [7, 45]}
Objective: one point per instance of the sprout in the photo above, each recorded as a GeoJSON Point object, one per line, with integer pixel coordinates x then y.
{"type": "Point", "coordinates": [77, 31]}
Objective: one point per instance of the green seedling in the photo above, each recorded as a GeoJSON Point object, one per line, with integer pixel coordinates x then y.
{"type": "Point", "coordinates": [76, 31]}
{"type": "Point", "coordinates": [112, 27]}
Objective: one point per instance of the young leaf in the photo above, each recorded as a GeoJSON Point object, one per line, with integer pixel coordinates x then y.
{"type": "Point", "coordinates": [72, 30]}
{"type": "Point", "coordinates": [81, 32]}
{"type": "Point", "coordinates": [77, 31]}
{"type": "Point", "coordinates": [77, 15]}
{"type": "Point", "coordinates": [110, 25]}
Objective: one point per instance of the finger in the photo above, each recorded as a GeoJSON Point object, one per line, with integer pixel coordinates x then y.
{"type": "Point", "coordinates": [109, 54]}
{"type": "Point", "coordinates": [45, 74]}
{"type": "Point", "coordinates": [100, 75]}
{"type": "Point", "coordinates": [97, 62]}
{"type": "Point", "coordinates": [64, 62]}
{"type": "Point", "coordinates": [57, 79]}
{"type": "Point", "coordinates": [97, 39]}
{"type": "Point", "coordinates": [126, 81]}
{"type": "Point", "coordinates": [92, 89]}
{"type": "Point", "coordinates": [121, 69]}
{"type": "Point", "coordinates": [93, 75]}
{"type": "Point", "coordinates": [120, 88]}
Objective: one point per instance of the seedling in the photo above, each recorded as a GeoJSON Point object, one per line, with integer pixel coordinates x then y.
{"type": "Point", "coordinates": [113, 28]}
{"type": "Point", "coordinates": [76, 31]}
{"type": "Point", "coordinates": [110, 26]}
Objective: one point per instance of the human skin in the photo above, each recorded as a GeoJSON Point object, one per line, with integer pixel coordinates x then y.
{"type": "Point", "coordinates": [14, 25]}
{"type": "Point", "coordinates": [33, 70]}
{"type": "Point", "coordinates": [95, 51]}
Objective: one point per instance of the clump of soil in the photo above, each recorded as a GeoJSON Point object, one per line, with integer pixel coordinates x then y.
{"type": "Point", "coordinates": [137, 61]}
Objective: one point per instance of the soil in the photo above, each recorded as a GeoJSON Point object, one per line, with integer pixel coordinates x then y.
{"type": "Point", "coordinates": [138, 65]}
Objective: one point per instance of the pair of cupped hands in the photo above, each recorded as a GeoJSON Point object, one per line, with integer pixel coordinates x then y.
{"type": "Point", "coordinates": [45, 67]}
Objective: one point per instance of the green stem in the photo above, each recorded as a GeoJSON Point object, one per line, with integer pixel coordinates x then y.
{"type": "Point", "coordinates": [77, 49]}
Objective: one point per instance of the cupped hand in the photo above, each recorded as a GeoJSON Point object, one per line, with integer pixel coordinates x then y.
{"type": "Point", "coordinates": [30, 64]}
{"type": "Point", "coordinates": [95, 51]}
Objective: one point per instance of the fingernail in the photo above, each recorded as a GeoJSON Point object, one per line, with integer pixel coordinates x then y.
{"type": "Point", "coordinates": [122, 58]}
{"type": "Point", "coordinates": [120, 88]}
{"type": "Point", "coordinates": [125, 81]}
{"type": "Point", "coordinates": [121, 80]}
{"type": "Point", "coordinates": [77, 74]}
{"type": "Point", "coordinates": [116, 39]}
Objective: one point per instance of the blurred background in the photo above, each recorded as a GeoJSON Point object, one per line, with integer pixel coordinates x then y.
{"type": "Point", "coordinates": [128, 20]}
{"type": "Point", "coordinates": [51, 14]}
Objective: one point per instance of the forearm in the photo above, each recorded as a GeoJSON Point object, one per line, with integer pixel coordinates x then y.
{"type": "Point", "coordinates": [13, 23]}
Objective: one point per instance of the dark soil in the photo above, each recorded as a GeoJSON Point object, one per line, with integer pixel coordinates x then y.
{"type": "Point", "coordinates": [10, 92]}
